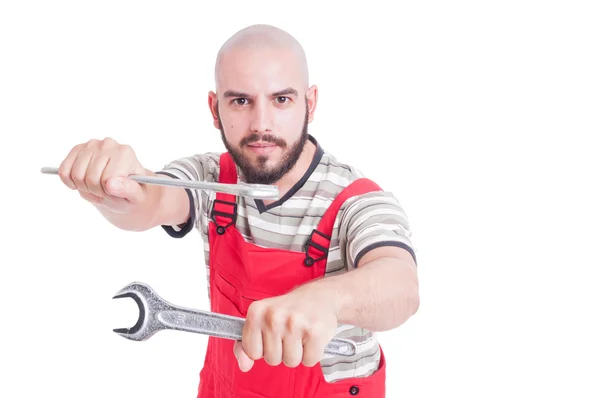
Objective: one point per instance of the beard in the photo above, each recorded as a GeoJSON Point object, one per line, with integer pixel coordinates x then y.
{"type": "Point", "coordinates": [261, 174]}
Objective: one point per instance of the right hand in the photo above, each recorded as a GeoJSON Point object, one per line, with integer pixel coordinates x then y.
{"type": "Point", "coordinates": [98, 169]}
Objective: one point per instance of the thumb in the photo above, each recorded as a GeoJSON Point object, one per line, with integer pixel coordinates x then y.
{"type": "Point", "coordinates": [244, 362]}
{"type": "Point", "coordinates": [123, 187]}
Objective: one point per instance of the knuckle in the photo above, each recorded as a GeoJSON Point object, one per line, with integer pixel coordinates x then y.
{"type": "Point", "coordinates": [125, 150]}
{"type": "Point", "coordinates": [295, 322]}
{"type": "Point", "coordinates": [92, 143]}
{"type": "Point", "coordinates": [108, 143]}
{"type": "Point", "coordinates": [255, 310]}
{"type": "Point", "coordinates": [275, 318]}
{"type": "Point", "coordinates": [311, 333]}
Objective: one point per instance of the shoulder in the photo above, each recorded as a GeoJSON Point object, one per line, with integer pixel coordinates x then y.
{"type": "Point", "coordinates": [358, 196]}
{"type": "Point", "coordinates": [330, 176]}
{"type": "Point", "coordinates": [332, 169]}
{"type": "Point", "coordinates": [367, 216]}
{"type": "Point", "coordinates": [362, 202]}
{"type": "Point", "coordinates": [198, 167]}
{"type": "Point", "coordinates": [358, 189]}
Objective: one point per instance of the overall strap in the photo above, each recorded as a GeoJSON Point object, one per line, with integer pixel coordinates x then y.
{"type": "Point", "coordinates": [227, 170]}
{"type": "Point", "coordinates": [224, 211]}
{"type": "Point", "coordinates": [317, 246]}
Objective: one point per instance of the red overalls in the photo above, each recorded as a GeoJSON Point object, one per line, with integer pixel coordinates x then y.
{"type": "Point", "coordinates": [241, 272]}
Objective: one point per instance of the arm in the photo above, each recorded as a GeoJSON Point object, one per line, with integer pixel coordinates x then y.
{"type": "Point", "coordinates": [378, 292]}
{"type": "Point", "coordinates": [381, 294]}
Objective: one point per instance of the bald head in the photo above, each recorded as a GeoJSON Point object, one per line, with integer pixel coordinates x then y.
{"type": "Point", "coordinates": [257, 40]}
{"type": "Point", "coordinates": [263, 104]}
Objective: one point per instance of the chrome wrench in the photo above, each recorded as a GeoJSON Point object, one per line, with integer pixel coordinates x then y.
{"type": "Point", "coordinates": [156, 314]}
{"type": "Point", "coordinates": [257, 191]}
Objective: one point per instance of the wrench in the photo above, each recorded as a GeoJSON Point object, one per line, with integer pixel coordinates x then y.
{"type": "Point", "coordinates": [258, 191]}
{"type": "Point", "coordinates": [158, 314]}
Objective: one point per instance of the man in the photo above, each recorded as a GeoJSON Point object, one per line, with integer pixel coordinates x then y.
{"type": "Point", "coordinates": [331, 258]}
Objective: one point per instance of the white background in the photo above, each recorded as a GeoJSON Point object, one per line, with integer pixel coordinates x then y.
{"type": "Point", "coordinates": [482, 117]}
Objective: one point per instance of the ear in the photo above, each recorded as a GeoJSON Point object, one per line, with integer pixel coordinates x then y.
{"type": "Point", "coordinates": [213, 104]}
{"type": "Point", "coordinates": [311, 99]}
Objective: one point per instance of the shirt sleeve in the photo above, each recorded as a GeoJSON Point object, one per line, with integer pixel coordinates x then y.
{"type": "Point", "coordinates": [203, 167]}
{"type": "Point", "coordinates": [373, 220]}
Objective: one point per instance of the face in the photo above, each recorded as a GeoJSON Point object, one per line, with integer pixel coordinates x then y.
{"type": "Point", "coordinates": [262, 110]}
{"type": "Point", "coordinates": [264, 168]}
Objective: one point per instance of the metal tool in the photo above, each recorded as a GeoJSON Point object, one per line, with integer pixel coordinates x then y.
{"type": "Point", "coordinates": [157, 314]}
{"type": "Point", "coordinates": [257, 191]}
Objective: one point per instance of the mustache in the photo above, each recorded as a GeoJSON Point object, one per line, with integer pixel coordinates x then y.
{"type": "Point", "coordinates": [255, 137]}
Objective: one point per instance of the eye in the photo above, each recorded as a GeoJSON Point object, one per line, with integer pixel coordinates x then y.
{"type": "Point", "coordinates": [282, 100]}
{"type": "Point", "coordinates": [240, 101]}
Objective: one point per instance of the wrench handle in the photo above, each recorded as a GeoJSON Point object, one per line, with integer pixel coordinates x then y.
{"type": "Point", "coordinates": [258, 191]}
{"type": "Point", "coordinates": [230, 327]}
{"type": "Point", "coordinates": [202, 322]}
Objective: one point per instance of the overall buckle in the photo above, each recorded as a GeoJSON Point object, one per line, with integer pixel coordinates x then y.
{"type": "Point", "coordinates": [232, 216]}
{"type": "Point", "coordinates": [309, 261]}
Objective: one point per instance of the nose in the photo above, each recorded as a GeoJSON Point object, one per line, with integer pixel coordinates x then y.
{"type": "Point", "coordinates": [262, 117]}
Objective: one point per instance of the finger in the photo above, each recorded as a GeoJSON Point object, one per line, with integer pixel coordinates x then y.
{"type": "Point", "coordinates": [64, 170]}
{"type": "Point", "coordinates": [272, 348]}
{"type": "Point", "coordinates": [125, 188]}
{"type": "Point", "coordinates": [91, 197]}
{"type": "Point", "coordinates": [244, 362]}
{"type": "Point", "coordinates": [252, 341]}
{"type": "Point", "coordinates": [313, 349]}
{"type": "Point", "coordinates": [292, 351]}
{"type": "Point", "coordinates": [94, 173]}
{"type": "Point", "coordinates": [80, 168]}
{"type": "Point", "coordinates": [115, 181]}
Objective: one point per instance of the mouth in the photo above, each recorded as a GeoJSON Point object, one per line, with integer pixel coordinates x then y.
{"type": "Point", "coordinates": [262, 147]}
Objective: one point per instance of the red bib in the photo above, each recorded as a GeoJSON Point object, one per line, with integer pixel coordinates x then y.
{"type": "Point", "coordinates": [240, 273]}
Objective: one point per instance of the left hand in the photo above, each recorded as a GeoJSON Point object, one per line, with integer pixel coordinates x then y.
{"type": "Point", "coordinates": [293, 329]}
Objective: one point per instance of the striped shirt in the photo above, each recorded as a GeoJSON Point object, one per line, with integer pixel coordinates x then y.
{"type": "Point", "coordinates": [364, 222]}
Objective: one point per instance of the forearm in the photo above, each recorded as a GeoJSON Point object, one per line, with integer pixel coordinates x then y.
{"type": "Point", "coordinates": [378, 296]}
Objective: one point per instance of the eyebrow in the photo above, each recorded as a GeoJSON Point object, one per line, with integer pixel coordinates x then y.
{"type": "Point", "coordinates": [236, 94]}
{"type": "Point", "coordinates": [287, 91]}
{"type": "Point", "coordinates": [231, 93]}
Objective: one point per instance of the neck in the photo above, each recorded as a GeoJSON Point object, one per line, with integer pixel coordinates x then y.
{"type": "Point", "coordinates": [297, 172]}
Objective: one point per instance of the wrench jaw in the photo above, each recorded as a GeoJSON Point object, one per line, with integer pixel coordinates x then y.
{"type": "Point", "coordinates": [145, 326]}
{"type": "Point", "coordinates": [133, 333]}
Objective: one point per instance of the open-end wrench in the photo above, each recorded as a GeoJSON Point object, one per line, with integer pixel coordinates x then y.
{"type": "Point", "coordinates": [257, 191]}
{"type": "Point", "coordinates": [156, 314]}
